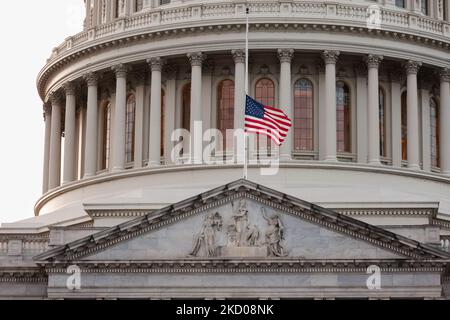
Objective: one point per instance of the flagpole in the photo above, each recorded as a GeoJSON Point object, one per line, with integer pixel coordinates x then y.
{"type": "Point", "coordinates": [246, 156]}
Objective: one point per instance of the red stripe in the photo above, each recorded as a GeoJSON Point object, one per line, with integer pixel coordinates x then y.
{"type": "Point", "coordinates": [268, 124]}
{"type": "Point", "coordinates": [274, 132]}
{"type": "Point", "coordinates": [280, 114]}
{"type": "Point", "coordinates": [278, 122]}
{"type": "Point", "coordinates": [278, 142]}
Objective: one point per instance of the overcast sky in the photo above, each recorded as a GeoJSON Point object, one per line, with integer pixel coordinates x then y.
{"type": "Point", "coordinates": [28, 32]}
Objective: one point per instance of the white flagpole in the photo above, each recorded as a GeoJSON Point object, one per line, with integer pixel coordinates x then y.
{"type": "Point", "coordinates": [246, 156]}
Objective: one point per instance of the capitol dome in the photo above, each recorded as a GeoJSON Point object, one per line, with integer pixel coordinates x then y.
{"type": "Point", "coordinates": [366, 84]}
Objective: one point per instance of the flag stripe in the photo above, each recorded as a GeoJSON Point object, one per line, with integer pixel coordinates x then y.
{"type": "Point", "coordinates": [269, 121]}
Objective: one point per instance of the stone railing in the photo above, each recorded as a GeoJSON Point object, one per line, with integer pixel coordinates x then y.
{"type": "Point", "coordinates": [228, 12]}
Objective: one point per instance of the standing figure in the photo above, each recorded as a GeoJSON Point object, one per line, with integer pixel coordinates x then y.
{"type": "Point", "coordinates": [240, 217]}
{"type": "Point", "coordinates": [207, 236]}
{"type": "Point", "coordinates": [274, 235]}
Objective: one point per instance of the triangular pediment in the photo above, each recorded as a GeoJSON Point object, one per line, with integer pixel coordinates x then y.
{"type": "Point", "coordinates": [242, 220]}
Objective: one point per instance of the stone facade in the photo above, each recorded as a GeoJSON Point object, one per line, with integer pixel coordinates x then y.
{"type": "Point", "coordinates": [371, 82]}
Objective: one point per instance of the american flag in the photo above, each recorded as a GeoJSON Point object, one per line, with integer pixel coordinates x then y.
{"type": "Point", "coordinates": [269, 121]}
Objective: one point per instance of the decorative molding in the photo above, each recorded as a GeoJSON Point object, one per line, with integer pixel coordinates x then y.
{"type": "Point", "coordinates": [445, 74]}
{"type": "Point", "coordinates": [120, 70]}
{"type": "Point", "coordinates": [91, 79]}
{"type": "Point", "coordinates": [330, 56]}
{"type": "Point", "coordinates": [156, 64]}
{"type": "Point", "coordinates": [196, 59]}
{"type": "Point", "coordinates": [238, 56]}
{"type": "Point", "coordinates": [412, 67]}
{"type": "Point", "coordinates": [374, 61]}
{"type": "Point", "coordinates": [70, 88]}
{"type": "Point", "coordinates": [285, 55]}
{"type": "Point", "coordinates": [426, 212]}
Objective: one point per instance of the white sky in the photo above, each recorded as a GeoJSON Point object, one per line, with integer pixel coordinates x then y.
{"type": "Point", "coordinates": [28, 32]}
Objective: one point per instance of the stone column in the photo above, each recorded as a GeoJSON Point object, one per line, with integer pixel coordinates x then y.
{"type": "Point", "coordinates": [119, 118]}
{"type": "Point", "coordinates": [445, 122]}
{"type": "Point", "coordinates": [286, 56]}
{"type": "Point", "coordinates": [239, 88]}
{"type": "Point", "coordinates": [196, 59]}
{"type": "Point", "coordinates": [54, 180]}
{"type": "Point", "coordinates": [48, 127]}
{"type": "Point", "coordinates": [90, 155]}
{"type": "Point", "coordinates": [330, 58]}
{"type": "Point", "coordinates": [156, 65]}
{"type": "Point", "coordinates": [69, 138]}
{"type": "Point", "coordinates": [412, 68]}
{"type": "Point", "coordinates": [373, 63]}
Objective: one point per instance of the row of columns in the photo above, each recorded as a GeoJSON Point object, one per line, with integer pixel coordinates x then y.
{"type": "Point", "coordinates": [52, 158]}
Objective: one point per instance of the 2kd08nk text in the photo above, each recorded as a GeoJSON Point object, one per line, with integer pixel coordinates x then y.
{"type": "Point", "coordinates": [227, 310]}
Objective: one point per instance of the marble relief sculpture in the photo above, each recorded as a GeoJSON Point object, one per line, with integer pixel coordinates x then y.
{"type": "Point", "coordinates": [207, 236]}
{"type": "Point", "coordinates": [274, 235]}
{"type": "Point", "coordinates": [241, 232]}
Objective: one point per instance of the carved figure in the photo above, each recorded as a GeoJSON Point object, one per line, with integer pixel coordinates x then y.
{"type": "Point", "coordinates": [274, 235]}
{"type": "Point", "coordinates": [207, 236]}
{"type": "Point", "coordinates": [241, 231]}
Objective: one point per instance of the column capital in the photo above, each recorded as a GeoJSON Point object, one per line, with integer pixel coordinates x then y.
{"type": "Point", "coordinates": [196, 58]}
{"type": "Point", "coordinates": [238, 56]}
{"type": "Point", "coordinates": [444, 74]}
{"type": "Point", "coordinates": [412, 67]}
{"type": "Point", "coordinates": [56, 98]}
{"type": "Point", "coordinates": [156, 63]}
{"type": "Point", "coordinates": [374, 61]}
{"type": "Point", "coordinates": [121, 70]}
{"type": "Point", "coordinates": [70, 88]}
{"type": "Point", "coordinates": [91, 79]}
{"type": "Point", "coordinates": [285, 55]}
{"type": "Point", "coordinates": [330, 56]}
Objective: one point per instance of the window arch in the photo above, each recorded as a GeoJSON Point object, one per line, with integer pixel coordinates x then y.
{"type": "Point", "coordinates": [404, 112]}
{"type": "Point", "coordinates": [106, 136]}
{"type": "Point", "coordinates": [343, 116]}
{"type": "Point", "coordinates": [130, 128]}
{"type": "Point", "coordinates": [435, 138]}
{"type": "Point", "coordinates": [186, 107]}
{"type": "Point", "coordinates": [225, 106]}
{"type": "Point", "coordinates": [265, 92]}
{"type": "Point", "coordinates": [303, 115]}
{"type": "Point", "coordinates": [382, 115]}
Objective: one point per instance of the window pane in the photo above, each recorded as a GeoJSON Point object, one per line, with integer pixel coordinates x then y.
{"type": "Point", "coordinates": [303, 115]}
{"type": "Point", "coordinates": [225, 102]}
{"type": "Point", "coordinates": [404, 127]}
{"type": "Point", "coordinates": [129, 129]}
{"type": "Point", "coordinates": [343, 117]}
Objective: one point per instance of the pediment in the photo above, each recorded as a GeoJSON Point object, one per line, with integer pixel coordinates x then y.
{"type": "Point", "coordinates": [242, 220]}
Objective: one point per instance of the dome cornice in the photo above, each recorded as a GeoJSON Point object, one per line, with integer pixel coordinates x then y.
{"type": "Point", "coordinates": [159, 24]}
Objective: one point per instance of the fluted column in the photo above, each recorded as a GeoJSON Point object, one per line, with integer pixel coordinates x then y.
{"type": "Point", "coordinates": [239, 88]}
{"type": "Point", "coordinates": [54, 179]}
{"type": "Point", "coordinates": [69, 133]}
{"type": "Point", "coordinates": [119, 118]}
{"type": "Point", "coordinates": [412, 68]}
{"type": "Point", "coordinates": [330, 58]}
{"type": "Point", "coordinates": [445, 122]}
{"type": "Point", "coordinates": [286, 56]}
{"type": "Point", "coordinates": [48, 127]}
{"type": "Point", "coordinates": [373, 63]}
{"type": "Point", "coordinates": [156, 65]}
{"type": "Point", "coordinates": [90, 155]}
{"type": "Point", "coordinates": [196, 59]}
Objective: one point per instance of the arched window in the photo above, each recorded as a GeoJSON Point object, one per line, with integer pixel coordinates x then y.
{"type": "Point", "coordinates": [106, 147]}
{"type": "Point", "coordinates": [343, 117]}
{"type": "Point", "coordinates": [186, 108]}
{"type": "Point", "coordinates": [265, 92]}
{"type": "Point", "coordinates": [163, 107]}
{"type": "Point", "coordinates": [382, 108]}
{"type": "Point", "coordinates": [303, 115]}
{"type": "Point", "coordinates": [225, 104]}
{"type": "Point", "coordinates": [424, 7]}
{"type": "Point", "coordinates": [404, 127]}
{"type": "Point", "coordinates": [129, 129]}
{"type": "Point", "coordinates": [434, 117]}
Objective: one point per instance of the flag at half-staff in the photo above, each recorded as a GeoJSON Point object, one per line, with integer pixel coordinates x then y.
{"type": "Point", "coordinates": [261, 119]}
